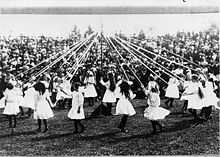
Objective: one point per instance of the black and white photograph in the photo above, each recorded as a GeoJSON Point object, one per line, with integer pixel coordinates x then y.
{"type": "Point", "coordinates": [109, 78]}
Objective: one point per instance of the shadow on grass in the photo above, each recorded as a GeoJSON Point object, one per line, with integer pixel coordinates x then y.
{"type": "Point", "coordinates": [180, 125]}
{"type": "Point", "coordinates": [14, 133]}
{"type": "Point", "coordinates": [128, 138]}
{"type": "Point", "coordinates": [76, 136]}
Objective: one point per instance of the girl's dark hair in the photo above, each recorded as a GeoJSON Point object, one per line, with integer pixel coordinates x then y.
{"type": "Point", "coordinates": [40, 87]}
{"type": "Point", "coordinates": [203, 83]}
{"type": "Point", "coordinates": [125, 89]}
{"type": "Point", "coordinates": [151, 78]}
{"type": "Point", "coordinates": [75, 86]}
{"type": "Point", "coordinates": [112, 82]}
{"type": "Point", "coordinates": [10, 86]}
{"type": "Point", "coordinates": [154, 90]}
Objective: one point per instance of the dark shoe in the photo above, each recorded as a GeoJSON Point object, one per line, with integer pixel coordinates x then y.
{"type": "Point", "coordinates": [75, 132]}
{"type": "Point", "coordinates": [119, 127]}
{"type": "Point", "coordinates": [83, 128]}
{"type": "Point", "coordinates": [153, 133]}
{"type": "Point", "coordinates": [161, 128]}
{"type": "Point", "coordinates": [45, 130]}
{"type": "Point", "coordinates": [38, 130]}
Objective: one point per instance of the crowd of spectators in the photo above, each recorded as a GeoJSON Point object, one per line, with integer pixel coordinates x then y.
{"type": "Point", "coordinates": [21, 53]}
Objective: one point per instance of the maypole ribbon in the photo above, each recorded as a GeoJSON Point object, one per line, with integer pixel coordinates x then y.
{"type": "Point", "coordinates": [153, 72]}
{"type": "Point", "coordinates": [139, 81]}
{"type": "Point", "coordinates": [54, 62]}
{"type": "Point", "coordinates": [75, 51]}
{"type": "Point", "coordinates": [175, 55]}
{"type": "Point", "coordinates": [121, 66]}
{"type": "Point", "coordinates": [59, 58]}
{"type": "Point", "coordinates": [87, 51]}
{"type": "Point", "coordinates": [155, 54]}
{"type": "Point", "coordinates": [152, 61]}
{"type": "Point", "coordinates": [77, 60]}
{"type": "Point", "coordinates": [144, 64]}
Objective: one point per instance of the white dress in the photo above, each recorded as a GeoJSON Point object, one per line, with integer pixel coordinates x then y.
{"type": "Point", "coordinates": [124, 106]}
{"type": "Point", "coordinates": [186, 86]}
{"type": "Point", "coordinates": [77, 102]}
{"type": "Point", "coordinates": [2, 102]}
{"type": "Point", "coordinates": [118, 89]}
{"type": "Point", "coordinates": [19, 95]}
{"type": "Point", "coordinates": [43, 109]}
{"type": "Point", "coordinates": [172, 90]}
{"type": "Point", "coordinates": [29, 98]}
{"type": "Point", "coordinates": [66, 87]}
{"type": "Point", "coordinates": [153, 111]}
{"type": "Point", "coordinates": [12, 107]}
{"type": "Point", "coordinates": [210, 97]}
{"type": "Point", "coordinates": [194, 101]}
{"type": "Point", "coordinates": [90, 91]}
{"type": "Point", "coordinates": [109, 96]}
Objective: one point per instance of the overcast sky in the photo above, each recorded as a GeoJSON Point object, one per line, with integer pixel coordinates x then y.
{"type": "Point", "coordinates": [62, 24]}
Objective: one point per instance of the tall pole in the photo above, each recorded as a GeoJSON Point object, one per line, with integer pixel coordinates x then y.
{"type": "Point", "coordinates": [101, 37]}
{"type": "Point", "coordinates": [102, 91]}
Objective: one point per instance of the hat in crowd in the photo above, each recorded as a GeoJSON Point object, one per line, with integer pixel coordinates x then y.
{"type": "Point", "coordinates": [105, 66]}
{"type": "Point", "coordinates": [198, 69]}
{"type": "Point", "coordinates": [195, 77]}
{"type": "Point", "coordinates": [90, 73]}
{"type": "Point", "coordinates": [172, 57]}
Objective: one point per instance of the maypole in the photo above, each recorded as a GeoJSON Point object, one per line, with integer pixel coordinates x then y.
{"type": "Point", "coordinates": [101, 36]}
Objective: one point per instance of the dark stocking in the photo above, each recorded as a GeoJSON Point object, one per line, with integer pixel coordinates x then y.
{"type": "Point", "coordinates": [76, 126]}
{"type": "Point", "coordinates": [160, 126]}
{"type": "Point", "coordinates": [123, 122]}
{"type": "Point", "coordinates": [10, 120]}
{"type": "Point", "coordinates": [208, 112]}
{"type": "Point", "coordinates": [154, 127]}
{"type": "Point", "coordinates": [45, 124]}
{"type": "Point", "coordinates": [81, 125]}
{"type": "Point", "coordinates": [39, 124]}
{"type": "Point", "coordinates": [15, 121]}
{"type": "Point", "coordinates": [171, 102]}
{"type": "Point", "coordinates": [109, 106]}
{"type": "Point", "coordinates": [185, 105]}
{"type": "Point", "coordinates": [196, 117]}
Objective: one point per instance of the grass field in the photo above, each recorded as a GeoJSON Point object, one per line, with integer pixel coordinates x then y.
{"type": "Point", "coordinates": [102, 137]}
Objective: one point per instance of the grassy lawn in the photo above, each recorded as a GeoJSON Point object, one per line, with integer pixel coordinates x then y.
{"type": "Point", "coordinates": [102, 137]}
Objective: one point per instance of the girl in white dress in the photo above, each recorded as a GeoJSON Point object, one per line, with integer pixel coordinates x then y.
{"type": "Point", "coordinates": [194, 99]}
{"type": "Point", "coordinates": [124, 106]}
{"type": "Point", "coordinates": [153, 112]}
{"type": "Point", "coordinates": [210, 99]}
{"type": "Point", "coordinates": [109, 96]}
{"type": "Point", "coordinates": [172, 91]}
{"type": "Point", "coordinates": [11, 105]}
{"type": "Point", "coordinates": [118, 89]}
{"type": "Point", "coordinates": [152, 84]}
{"type": "Point", "coordinates": [90, 91]}
{"type": "Point", "coordinates": [43, 104]}
{"type": "Point", "coordinates": [29, 94]}
{"type": "Point", "coordinates": [76, 112]}
{"type": "Point", "coordinates": [184, 97]}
